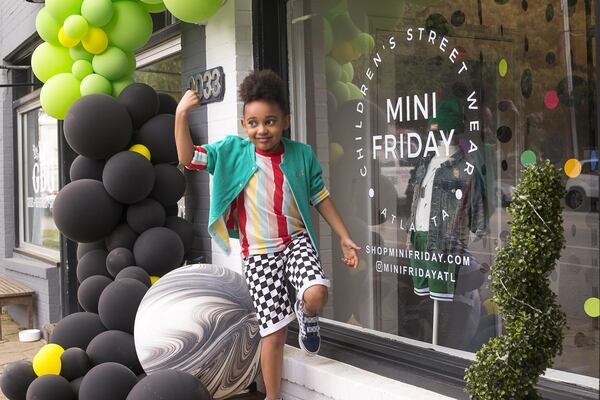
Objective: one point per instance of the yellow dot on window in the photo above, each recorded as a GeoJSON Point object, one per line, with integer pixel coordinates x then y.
{"type": "Point", "coordinates": [592, 307]}
{"type": "Point", "coordinates": [572, 168]}
{"type": "Point", "coordinates": [502, 67]}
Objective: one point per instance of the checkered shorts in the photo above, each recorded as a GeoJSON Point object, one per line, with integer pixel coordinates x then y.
{"type": "Point", "coordinates": [266, 275]}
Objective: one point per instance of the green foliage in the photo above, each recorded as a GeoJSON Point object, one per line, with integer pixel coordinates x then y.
{"type": "Point", "coordinates": [509, 366]}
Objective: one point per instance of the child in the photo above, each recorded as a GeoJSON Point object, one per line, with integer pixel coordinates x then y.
{"type": "Point", "coordinates": [262, 189]}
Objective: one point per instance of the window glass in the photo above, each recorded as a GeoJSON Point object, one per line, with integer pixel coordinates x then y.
{"type": "Point", "coordinates": [422, 114]}
{"type": "Point", "coordinates": [39, 179]}
{"type": "Point", "coordinates": [164, 76]}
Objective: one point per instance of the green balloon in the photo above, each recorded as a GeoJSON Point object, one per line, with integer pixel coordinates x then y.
{"type": "Point", "coordinates": [152, 1]}
{"type": "Point", "coordinates": [363, 43]}
{"type": "Point", "coordinates": [97, 12]}
{"type": "Point", "coordinates": [131, 63]}
{"type": "Point", "coordinates": [58, 94]}
{"type": "Point", "coordinates": [61, 9]}
{"type": "Point", "coordinates": [131, 25]}
{"type": "Point", "coordinates": [76, 26]}
{"type": "Point", "coordinates": [82, 68]}
{"type": "Point", "coordinates": [47, 27]}
{"type": "Point", "coordinates": [79, 53]}
{"type": "Point", "coordinates": [48, 60]}
{"type": "Point", "coordinates": [95, 84]}
{"type": "Point", "coordinates": [355, 93]}
{"type": "Point", "coordinates": [333, 70]}
{"type": "Point", "coordinates": [347, 72]}
{"type": "Point", "coordinates": [120, 85]}
{"type": "Point", "coordinates": [193, 11]}
{"type": "Point", "coordinates": [113, 64]}
{"type": "Point", "coordinates": [154, 8]}
{"type": "Point", "coordinates": [341, 91]}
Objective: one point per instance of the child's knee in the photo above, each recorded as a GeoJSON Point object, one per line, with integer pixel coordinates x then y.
{"type": "Point", "coordinates": [277, 338]}
{"type": "Point", "coordinates": [315, 295]}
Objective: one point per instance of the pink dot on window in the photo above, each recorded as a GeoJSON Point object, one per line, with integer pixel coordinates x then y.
{"type": "Point", "coordinates": [551, 99]}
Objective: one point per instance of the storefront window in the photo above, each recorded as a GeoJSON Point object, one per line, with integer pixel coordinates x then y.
{"type": "Point", "coordinates": [39, 181]}
{"type": "Point", "coordinates": [423, 114]}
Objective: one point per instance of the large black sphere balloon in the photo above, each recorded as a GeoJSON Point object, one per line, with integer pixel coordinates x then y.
{"type": "Point", "coordinates": [84, 248]}
{"type": "Point", "coordinates": [128, 177]}
{"type": "Point", "coordinates": [50, 387]}
{"type": "Point", "coordinates": [16, 378]}
{"type": "Point", "coordinates": [158, 251]}
{"type": "Point", "coordinates": [109, 381]}
{"type": "Point", "coordinates": [167, 104]}
{"type": "Point", "coordinates": [77, 330]}
{"type": "Point", "coordinates": [115, 346]}
{"type": "Point", "coordinates": [118, 259]}
{"type": "Point", "coordinates": [121, 236]}
{"type": "Point", "coordinates": [119, 303]}
{"type": "Point", "coordinates": [133, 272]}
{"type": "Point", "coordinates": [172, 210]}
{"type": "Point", "coordinates": [84, 211]}
{"type": "Point", "coordinates": [88, 293]}
{"type": "Point", "coordinates": [146, 214]}
{"type": "Point", "coordinates": [74, 363]}
{"type": "Point", "coordinates": [141, 102]}
{"type": "Point", "coordinates": [169, 185]}
{"type": "Point", "coordinates": [158, 135]}
{"type": "Point", "coordinates": [86, 168]}
{"type": "Point", "coordinates": [98, 126]}
{"type": "Point", "coordinates": [184, 229]}
{"type": "Point", "coordinates": [169, 384]}
{"type": "Point", "coordinates": [92, 263]}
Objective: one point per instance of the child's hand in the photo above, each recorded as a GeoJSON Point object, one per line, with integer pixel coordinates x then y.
{"type": "Point", "coordinates": [189, 101]}
{"type": "Point", "coordinates": [349, 250]}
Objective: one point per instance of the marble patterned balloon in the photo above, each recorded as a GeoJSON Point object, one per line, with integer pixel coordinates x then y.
{"type": "Point", "coordinates": [200, 319]}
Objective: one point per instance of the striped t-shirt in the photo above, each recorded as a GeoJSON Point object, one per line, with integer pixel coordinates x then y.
{"type": "Point", "coordinates": [265, 211]}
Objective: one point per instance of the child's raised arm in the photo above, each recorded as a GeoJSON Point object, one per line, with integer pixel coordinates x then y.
{"type": "Point", "coordinates": [183, 139]}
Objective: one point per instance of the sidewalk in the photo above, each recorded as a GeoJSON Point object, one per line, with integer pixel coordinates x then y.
{"type": "Point", "coordinates": [11, 349]}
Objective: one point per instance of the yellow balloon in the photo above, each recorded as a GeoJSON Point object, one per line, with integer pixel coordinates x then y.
{"type": "Point", "coordinates": [153, 279]}
{"type": "Point", "coordinates": [66, 40]}
{"type": "Point", "coordinates": [47, 360]}
{"type": "Point", "coordinates": [141, 149]}
{"type": "Point", "coordinates": [95, 41]}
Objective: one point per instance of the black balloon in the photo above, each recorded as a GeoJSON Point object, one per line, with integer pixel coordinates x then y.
{"type": "Point", "coordinates": [92, 263]}
{"type": "Point", "coordinates": [118, 259]}
{"type": "Point", "coordinates": [169, 186]}
{"type": "Point", "coordinates": [128, 177]}
{"type": "Point", "coordinates": [84, 211]}
{"type": "Point", "coordinates": [86, 168]}
{"type": "Point", "coordinates": [77, 330]}
{"type": "Point", "coordinates": [97, 126]}
{"type": "Point", "coordinates": [141, 102]}
{"type": "Point", "coordinates": [119, 303]}
{"type": "Point", "coordinates": [115, 346]}
{"type": "Point", "coordinates": [158, 135]}
{"type": "Point", "coordinates": [16, 378]}
{"type": "Point", "coordinates": [158, 251]}
{"type": "Point", "coordinates": [146, 214]}
{"type": "Point", "coordinates": [88, 293]}
{"type": "Point", "coordinates": [167, 104]}
{"type": "Point", "coordinates": [75, 384]}
{"type": "Point", "coordinates": [133, 272]}
{"type": "Point", "coordinates": [184, 229]}
{"type": "Point", "coordinates": [50, 387]}
{"type": "Point", "coordinates": [109, 381]}
{"type": "Point", "coordinates": [75, 363]}
{"type": "Point", "coordinates": [169, 384]}
{"type": "Point", "coordinates": [84, 248]}
{"type": "Point", "coordinates": [121, 236]}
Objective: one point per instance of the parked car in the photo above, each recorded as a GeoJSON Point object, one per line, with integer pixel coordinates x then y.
{"type": "Point", "coordinates": [582, 191]}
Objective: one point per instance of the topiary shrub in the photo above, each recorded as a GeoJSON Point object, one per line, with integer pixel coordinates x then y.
{"type": "Point", "coordinates": [509, 366]}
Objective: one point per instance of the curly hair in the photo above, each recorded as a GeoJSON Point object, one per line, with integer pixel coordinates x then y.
{"type": "Point", "coordinates": [264, 85]}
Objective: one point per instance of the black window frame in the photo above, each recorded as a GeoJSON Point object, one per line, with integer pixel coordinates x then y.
{"type": "Point", "coordinates": [434, 370]}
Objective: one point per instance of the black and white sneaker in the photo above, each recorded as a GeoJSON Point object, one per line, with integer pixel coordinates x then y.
{"type": "Point", "coordinates": [308, 337]}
